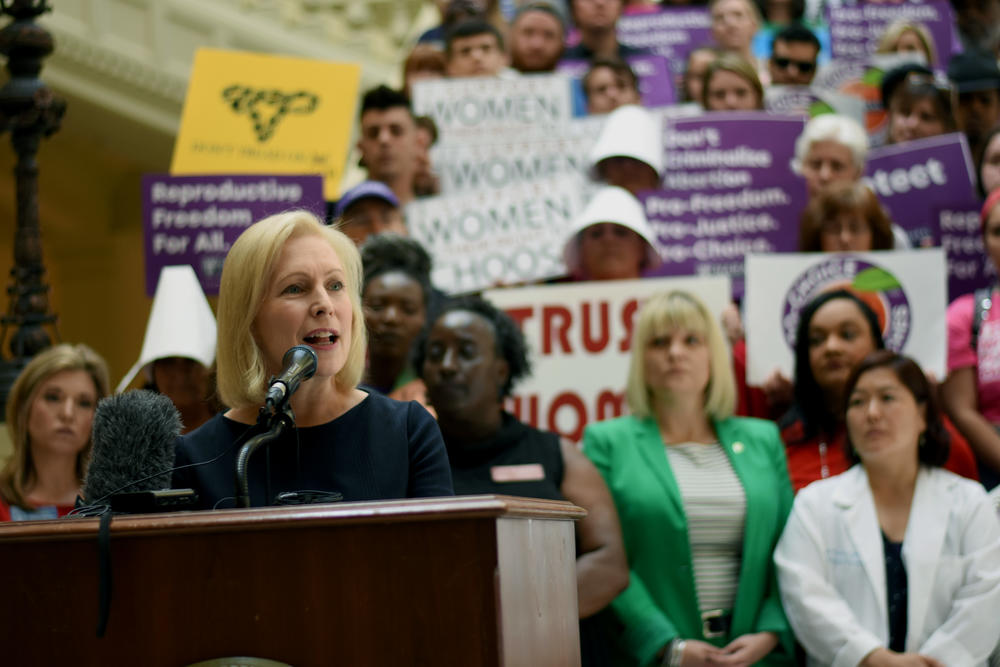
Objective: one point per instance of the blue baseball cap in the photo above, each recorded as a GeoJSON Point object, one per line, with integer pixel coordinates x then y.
{"type": "Point", "coordinates": [365, 190]}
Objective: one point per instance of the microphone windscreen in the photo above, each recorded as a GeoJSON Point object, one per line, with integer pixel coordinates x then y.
{"type": "Point", "coordinates": [133, 435]}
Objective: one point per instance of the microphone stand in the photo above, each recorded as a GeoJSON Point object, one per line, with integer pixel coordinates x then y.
{"type": "Point", "coordinates": [279, 421]}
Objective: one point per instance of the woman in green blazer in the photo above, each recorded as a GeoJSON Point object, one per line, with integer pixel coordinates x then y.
{"type": "Point", "coordinates": [702, 498]}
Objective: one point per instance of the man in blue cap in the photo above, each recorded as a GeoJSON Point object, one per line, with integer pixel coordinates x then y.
{"type": "Point", "coordinates": [977, 79]}
{"type": "Point", "coordinates": [368, 208]}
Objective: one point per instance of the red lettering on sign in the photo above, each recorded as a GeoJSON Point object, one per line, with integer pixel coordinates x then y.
{"type": "Point", "coordinates": [589, 342]}
{"type": "Point", "coordinates": [549, 316]}
{"type": "Point", "coordinates": [609, 405]}
{"type": "Point", "coordinates": [628, 313]}
{"type": "Point", "coordinates": [519, 315]}
{"type": "Point", "coordinates": [575, 403]}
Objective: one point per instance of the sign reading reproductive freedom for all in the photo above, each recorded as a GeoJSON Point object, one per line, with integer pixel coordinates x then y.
{"type": "Point", "coordinates": [579, 337]}
{"type": "Point", "coordinates": [914, 178]}
{"type": "Point", "coordinates": [959, 234]}
{"type": "Point", "coordinates": [905, 289]}
{"type": "Point", "coordinates": [672, 32]}
{"type": "Point", "coordinates": [855, 29]}
{"type": "Point", "coordinates": [655, 78]}
{"type": "Point", "coordinates": [488, 237]}
{"type": "Point", "coordinates": [249, 113]}
{"type": "Point", "coordinates": [467, 109]}
{"type": "Point", "coordinates": [195, 219]}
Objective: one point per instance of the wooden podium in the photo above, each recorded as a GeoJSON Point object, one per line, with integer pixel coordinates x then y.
{"type": "Point", "coordinates": [476, 580]}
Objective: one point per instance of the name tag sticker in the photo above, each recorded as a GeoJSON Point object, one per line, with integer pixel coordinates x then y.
{"type": "Point", "coordinates": [528, 472]}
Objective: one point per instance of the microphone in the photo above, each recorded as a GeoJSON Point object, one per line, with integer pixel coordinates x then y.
{"type": "Point", "coordinates": [299, 364]}
{"type": "Point", "coordinates": [133, 435]}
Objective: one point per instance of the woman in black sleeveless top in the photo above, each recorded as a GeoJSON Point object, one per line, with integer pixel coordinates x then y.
{"type": "Point", "coordinates": [469, 358]}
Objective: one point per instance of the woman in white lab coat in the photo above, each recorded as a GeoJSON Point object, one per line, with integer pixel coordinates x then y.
{"type": "Point", "coordinates": [896, 561]}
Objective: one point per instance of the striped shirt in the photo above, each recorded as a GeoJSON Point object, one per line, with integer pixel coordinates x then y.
{"type": "Point", "coordinates": [715, 505]}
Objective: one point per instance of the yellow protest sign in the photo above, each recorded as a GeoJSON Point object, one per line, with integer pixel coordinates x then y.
{"type": "Point", "coordinates": [265, 114]}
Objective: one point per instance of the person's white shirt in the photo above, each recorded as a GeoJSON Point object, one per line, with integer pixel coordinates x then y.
{"type": "Point", "coordinates": [831, 570]}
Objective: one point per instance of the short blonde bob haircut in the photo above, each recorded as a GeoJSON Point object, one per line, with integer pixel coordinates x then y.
{"type": "Point", "coordinates": [19, 471]}
{"type": "Point", "coordinates": [246, 275]}
{"type": "Point", "coordinates": [890, 39]}
{"type": "Point", "coordinates": [665, 312]}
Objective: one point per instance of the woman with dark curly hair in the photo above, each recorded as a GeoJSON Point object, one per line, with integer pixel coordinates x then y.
{"type": "Point", "coordinates": [893, 562]}
{"type": "Point", "coordinates": [470, 358]}
{"type": "Point", "coordinates": [396, 294]}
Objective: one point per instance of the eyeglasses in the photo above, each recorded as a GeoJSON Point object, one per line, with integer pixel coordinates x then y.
{"type": "Point", "coordinates": [919, 79]}
{"type": "Point", "coordinates": [803, 66]}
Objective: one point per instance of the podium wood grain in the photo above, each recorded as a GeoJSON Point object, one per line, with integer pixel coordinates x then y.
{"type": "Point", "coordinates": [476, 580]}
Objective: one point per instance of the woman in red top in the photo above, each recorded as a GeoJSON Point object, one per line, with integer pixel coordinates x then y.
{"type": "Point", "coordinates": [836, 330]}
{"type": "Point", "coordinates": [49, 414]}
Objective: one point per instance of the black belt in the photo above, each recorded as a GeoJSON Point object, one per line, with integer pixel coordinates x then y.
{"type": "Point", "coordinates": [716, 623]}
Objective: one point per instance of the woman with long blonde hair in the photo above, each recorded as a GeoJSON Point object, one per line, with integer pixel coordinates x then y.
{"type": "Point", "coordinates": [50, 411]}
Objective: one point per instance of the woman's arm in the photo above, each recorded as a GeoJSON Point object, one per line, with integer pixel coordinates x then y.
{"type": "Point", "coordinates": [645, 628]}
{"type": "Point", "coordinates": [771, 619]}
{"type": "Point", "coordinates": [961, 402]}
{"type": "Point", "coordinates": [429, 470]}
{"type": "Point", "coordinates": [601, 568]}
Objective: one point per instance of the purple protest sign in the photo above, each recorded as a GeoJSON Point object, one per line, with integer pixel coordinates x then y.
{"type": "Point", "coordinates": [914, 178]}
{"type": "Point", "coordinates": [656, 81]}
{"type": "Point", "coordinates": [710, 233]}
{"type": "Point", "coordinates": [958, 232]}
{"type": "Point", "coordinates": [730, 150]}
{"type": "Point", "coordinates": [671, 32]}
{"type": "Point", "coordinates": [195, 219]}
{"type": "Point", "coordinates": [855, 30]}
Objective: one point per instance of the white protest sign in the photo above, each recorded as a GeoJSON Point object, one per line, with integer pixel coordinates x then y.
{"type": "Point", "coordinates": [466, 108]}
{"type": "Point", "coordinates": [487, 237]}
{"type": "Point", "coordinates": [579, 336]}
{"type": "Point", "coordinates": [506, 157]}
{"type": "Point", "coordinates": [905, 289]}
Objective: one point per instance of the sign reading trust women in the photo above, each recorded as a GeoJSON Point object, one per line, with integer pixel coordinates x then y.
{"type": "Point", "coordinates": [579, 337]}
{"type": "Point", "coordinates": [250, 113]}
{"type": "Point", "coordinates": [905, 289]}
{"type": "Point", "coordinates": [195, 219]}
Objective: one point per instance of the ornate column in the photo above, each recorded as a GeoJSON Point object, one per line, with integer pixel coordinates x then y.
{"type": "Point", "coordinates": [29, 111]}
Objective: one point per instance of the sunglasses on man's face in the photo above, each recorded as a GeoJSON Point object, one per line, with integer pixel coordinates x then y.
{"type": "Point", "coordinates": [803, 66]}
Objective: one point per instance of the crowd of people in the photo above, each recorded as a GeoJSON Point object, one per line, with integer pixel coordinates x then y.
{"type": "Point", "coordinates": [839, 516]}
